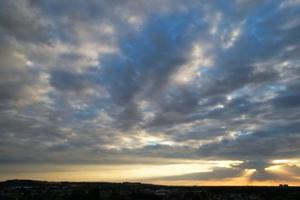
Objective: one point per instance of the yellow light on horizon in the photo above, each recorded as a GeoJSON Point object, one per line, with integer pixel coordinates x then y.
{"type": "Point", "coordinates": [285, 161]}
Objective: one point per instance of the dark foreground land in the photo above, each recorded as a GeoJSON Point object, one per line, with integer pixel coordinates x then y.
{"type": "Point", "coordinates": [25, 189]}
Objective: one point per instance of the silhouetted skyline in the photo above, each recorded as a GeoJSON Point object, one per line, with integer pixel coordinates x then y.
{"type": "Point", "coordinates": [166, 92]}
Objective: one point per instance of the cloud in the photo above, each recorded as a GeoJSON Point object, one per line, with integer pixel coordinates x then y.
{"type": "Point", "coordinates": [25, 22]}
{"type": "Point", "coordinates": [251, 170]}
{"type": "Point", "coordinates": [215, 174]}
{"type": "Point", "coordinates": [272, 141]}
{"type": "Point", "coordinates": [116, 82]}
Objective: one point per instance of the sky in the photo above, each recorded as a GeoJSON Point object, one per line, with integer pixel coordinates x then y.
{"type": "Point", "coordinates": [167, 92]}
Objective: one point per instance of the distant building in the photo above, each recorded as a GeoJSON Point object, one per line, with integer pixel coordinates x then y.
{"type": "Point", "coordinates": [283, 185]}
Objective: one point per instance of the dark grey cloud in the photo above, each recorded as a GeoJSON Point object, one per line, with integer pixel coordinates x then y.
{"type": "Point", "coordinates": [71, 81]}
{"type": "Point", "coordinates": [271, 141]}
{"type": "Point", "coordinates": [148, 58]}
{"type": "Point", "coordinates": [23, 21]}
{"type": "Point", "coordinates": [288, 98]}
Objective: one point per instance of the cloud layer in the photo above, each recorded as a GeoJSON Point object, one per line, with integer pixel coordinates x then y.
{"type": "Point", "coordinates": [109, 82]}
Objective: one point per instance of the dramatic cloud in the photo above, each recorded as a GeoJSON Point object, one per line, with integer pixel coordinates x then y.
{"type": "Point", "coordinates": [151, 82]}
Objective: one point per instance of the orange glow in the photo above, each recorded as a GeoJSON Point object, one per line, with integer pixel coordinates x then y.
{"type": "Point", "coordinates": [142, 173]}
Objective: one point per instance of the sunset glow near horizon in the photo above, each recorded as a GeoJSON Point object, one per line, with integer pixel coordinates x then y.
{"type": "Point", "coordinates": [165, 92]}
